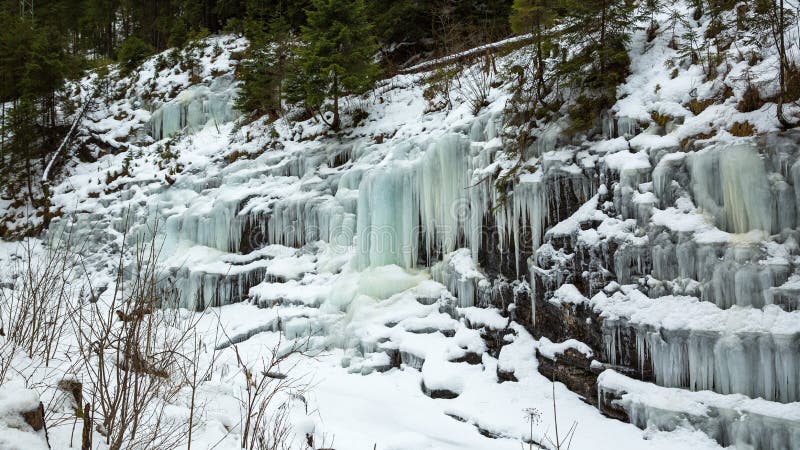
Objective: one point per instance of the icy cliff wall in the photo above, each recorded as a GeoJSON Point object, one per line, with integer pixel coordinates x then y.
{"type": "Point", "coordinates": [670, 253]}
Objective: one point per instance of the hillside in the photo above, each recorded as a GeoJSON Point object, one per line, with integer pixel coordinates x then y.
{"type": "Point", "coordinates": [418, 279]}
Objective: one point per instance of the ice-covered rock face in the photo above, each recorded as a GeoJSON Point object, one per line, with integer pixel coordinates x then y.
{"type": "Point", "coordinates": [730, 184]}
{"type": "Point", "coordinates": [685, 271]}
{"type": "Point", "coordinates": [407, 199]}
{"type": "Point", "coordinates": [679, 267]}
{"type": "Point", "coordinates": [731, 420]}
{"type": "Point", "coordinates": [194, 108]}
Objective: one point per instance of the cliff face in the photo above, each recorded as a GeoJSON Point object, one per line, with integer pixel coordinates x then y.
{"type": "Point", "coordinates": [651, 264]}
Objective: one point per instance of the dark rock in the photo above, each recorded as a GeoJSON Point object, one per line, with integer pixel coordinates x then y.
{"type": "Point", "coordinates": [505, 375]}
{"type": "Point", "coordinates": [469, 358]}
{"type": "Point", "coordinates": [74, 389]}
{"type": "Point", "coordinates": [495, 340]}
{"type": "Point", "coordinates": [607, 404]}
{"type": "Point", "coordinates": [439, 393]}
{"type": "Point", "coordinates": [572, 368]}
{"type": "Point", "coordinates": [35, 418]}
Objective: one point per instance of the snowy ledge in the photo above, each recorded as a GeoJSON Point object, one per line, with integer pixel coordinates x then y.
{"type": "Point", "coordinates": [690, 313]}
{"type": "Point", "coordinates": [732, 419]}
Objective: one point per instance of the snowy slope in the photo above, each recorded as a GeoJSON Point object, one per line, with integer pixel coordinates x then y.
{"type": "Point", "coordinates": [419, 289]}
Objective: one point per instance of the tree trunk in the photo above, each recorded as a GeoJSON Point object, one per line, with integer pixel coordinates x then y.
{"type": "Point", "coordinates": [782, 68]}
{"type": "Point", "coordinates": [2, 135]}
{"type": "Point", "coordinates": [110, 39]}
{"type": "Point", "coordinates": [86, 441]}
{"type": "Point", "coordinates": [29, 178]}
{"type": "Point", "coordinates": [540, 62]}
{"type": "Point", "coordinates": [336, 119]}
{"type": "Point", "coordinates": [603, 36]}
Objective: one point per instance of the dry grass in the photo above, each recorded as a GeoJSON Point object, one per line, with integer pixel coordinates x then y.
{"type": "Point", "coordinates": [751, 100]}
{"type": "Point", "coordinates": [742, 129]}
{"type": "Point", "coordinates": [698, 106]}
{"type": "Point", "coordinates": [660, 119]}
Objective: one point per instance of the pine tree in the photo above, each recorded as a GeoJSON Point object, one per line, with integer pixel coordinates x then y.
{"type": "Point", "coordinates": [99, 23]}
{"type": "Point", "coordinates": [263, 71]}
{"type": "Point", "coordinates": [336, 57]}
{"type": "Point", "coordinates": [600, 31]}
{"type": "Point", "coordinates": [400, 26]}
{"type": "Point", "coordinates": [33, 64]}
{"type": "Point", "coordinates": [647, 11]}
{"type": "Point", "coordinates": [132, 52]}
{"type": "Point", "coordinates": [24, 148]}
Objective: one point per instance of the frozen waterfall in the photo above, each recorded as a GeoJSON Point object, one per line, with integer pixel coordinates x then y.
{"type": "Point", "coordinates": [194, 108]}
{"type": "Point", "coordinates": [731, 184]}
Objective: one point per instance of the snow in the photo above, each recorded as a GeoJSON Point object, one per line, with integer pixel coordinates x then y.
{"type": "Point", "coordinates": [367, 246]}
{"type": "Point", "coordinates": [15, 433]}
{"type": "Point", "coordinates": [551, 350]}
{"type": "Point", "coordinates": [734, 419]}
{"type": "Point", "coordinates": [586, 212]}
{"type": "Point", "coordinates": [482, 317]}
{"type": "Point", "coordinates": [569, 294]}
{"type": "Point", "coordinates": [627, 161]}
{"type": "Point", "coordinates": [697, 345]}
{"type": "Point", "coordinates": [688, 313]}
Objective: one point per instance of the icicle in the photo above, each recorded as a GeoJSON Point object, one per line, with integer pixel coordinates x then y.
{"type": "Point", "coordinates": [427, 197]}
{"type": "Point", "coordinates": [387, 218]}
{"type": "Point", "coordinates": [194, 108]}
{"type": "Point", "coordinates": [753, 364]}
{"type": "Point", "coordinates": [734, 421]}
{"type": "Point", "coordinates": [531, 268]}
{"type": "Point", "coordinates": [731, 184]}
{"type": "Point", "coordinates": [460, 274]}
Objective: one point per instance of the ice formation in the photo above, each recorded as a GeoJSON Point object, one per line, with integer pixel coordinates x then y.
{"type": "Point", "coordinates": [730, 183]}
{"type": "Point", "coordinates": [405, 199]}
{"type": "Point", "coordinates": [462, 277]}
{"type": "Point", "coordinates": [194, 108]}
{"type": "Point", "coordinates": [730, 420]}
{"type": "Point", "coordinates": [676, 264]}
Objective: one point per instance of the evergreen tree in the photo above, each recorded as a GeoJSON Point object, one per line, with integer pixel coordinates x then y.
{"type": "Point", "coordinates": [99, 24]}
{"type": "Point", "coordinates": [33, 66]}
{"type": "Point", "coordinates": [336, 57]}
{"type": "Point", "coordinates": [132, 52]}
{"type": "Point", "coordinates": [485, 19]}
{"type": "Point", "coordinates": [400, 26]}
{"type": "Point", "coordinates": [600, 31]}
{"type": "Point", "coordinates": [24, 148]}
{"type": "Point", "coordinates": [647, 11]}
{"type": "Point", "coordinates": [264, 69]}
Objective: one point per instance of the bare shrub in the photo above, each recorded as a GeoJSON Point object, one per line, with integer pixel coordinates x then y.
{"type": "Point", "coordinates": [267, 398]}
{"type": "Point", "coordinates": [476, 85]}
{"type": "Point", "coordinates": [439, 86]}
{"type": "Point", "coordinates": [130, 351]}
{"type": "Point", "coordinates": [559, 441]}
{"type": "Point", "coordinates": [33, 303]}
{"type": "Point", "coordinates": [556, 442]}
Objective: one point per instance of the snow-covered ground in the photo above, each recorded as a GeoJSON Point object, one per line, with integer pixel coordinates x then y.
{"type": "Point", "coordinates": [363, 247]}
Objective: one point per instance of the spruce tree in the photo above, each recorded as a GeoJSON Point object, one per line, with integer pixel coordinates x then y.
{"type": "Point", "coordinates": [263, 71]}
{"type": "Point", "coordinates": [132, 52]}
{"type": "Point", "coordinates": [34, 65]}
{"type": "Point", "coordinates": [600, 31]}
{"type": "Point", "coordinates": [336, 57]}
{"type": "Point", "coordinates": [24, 148]}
